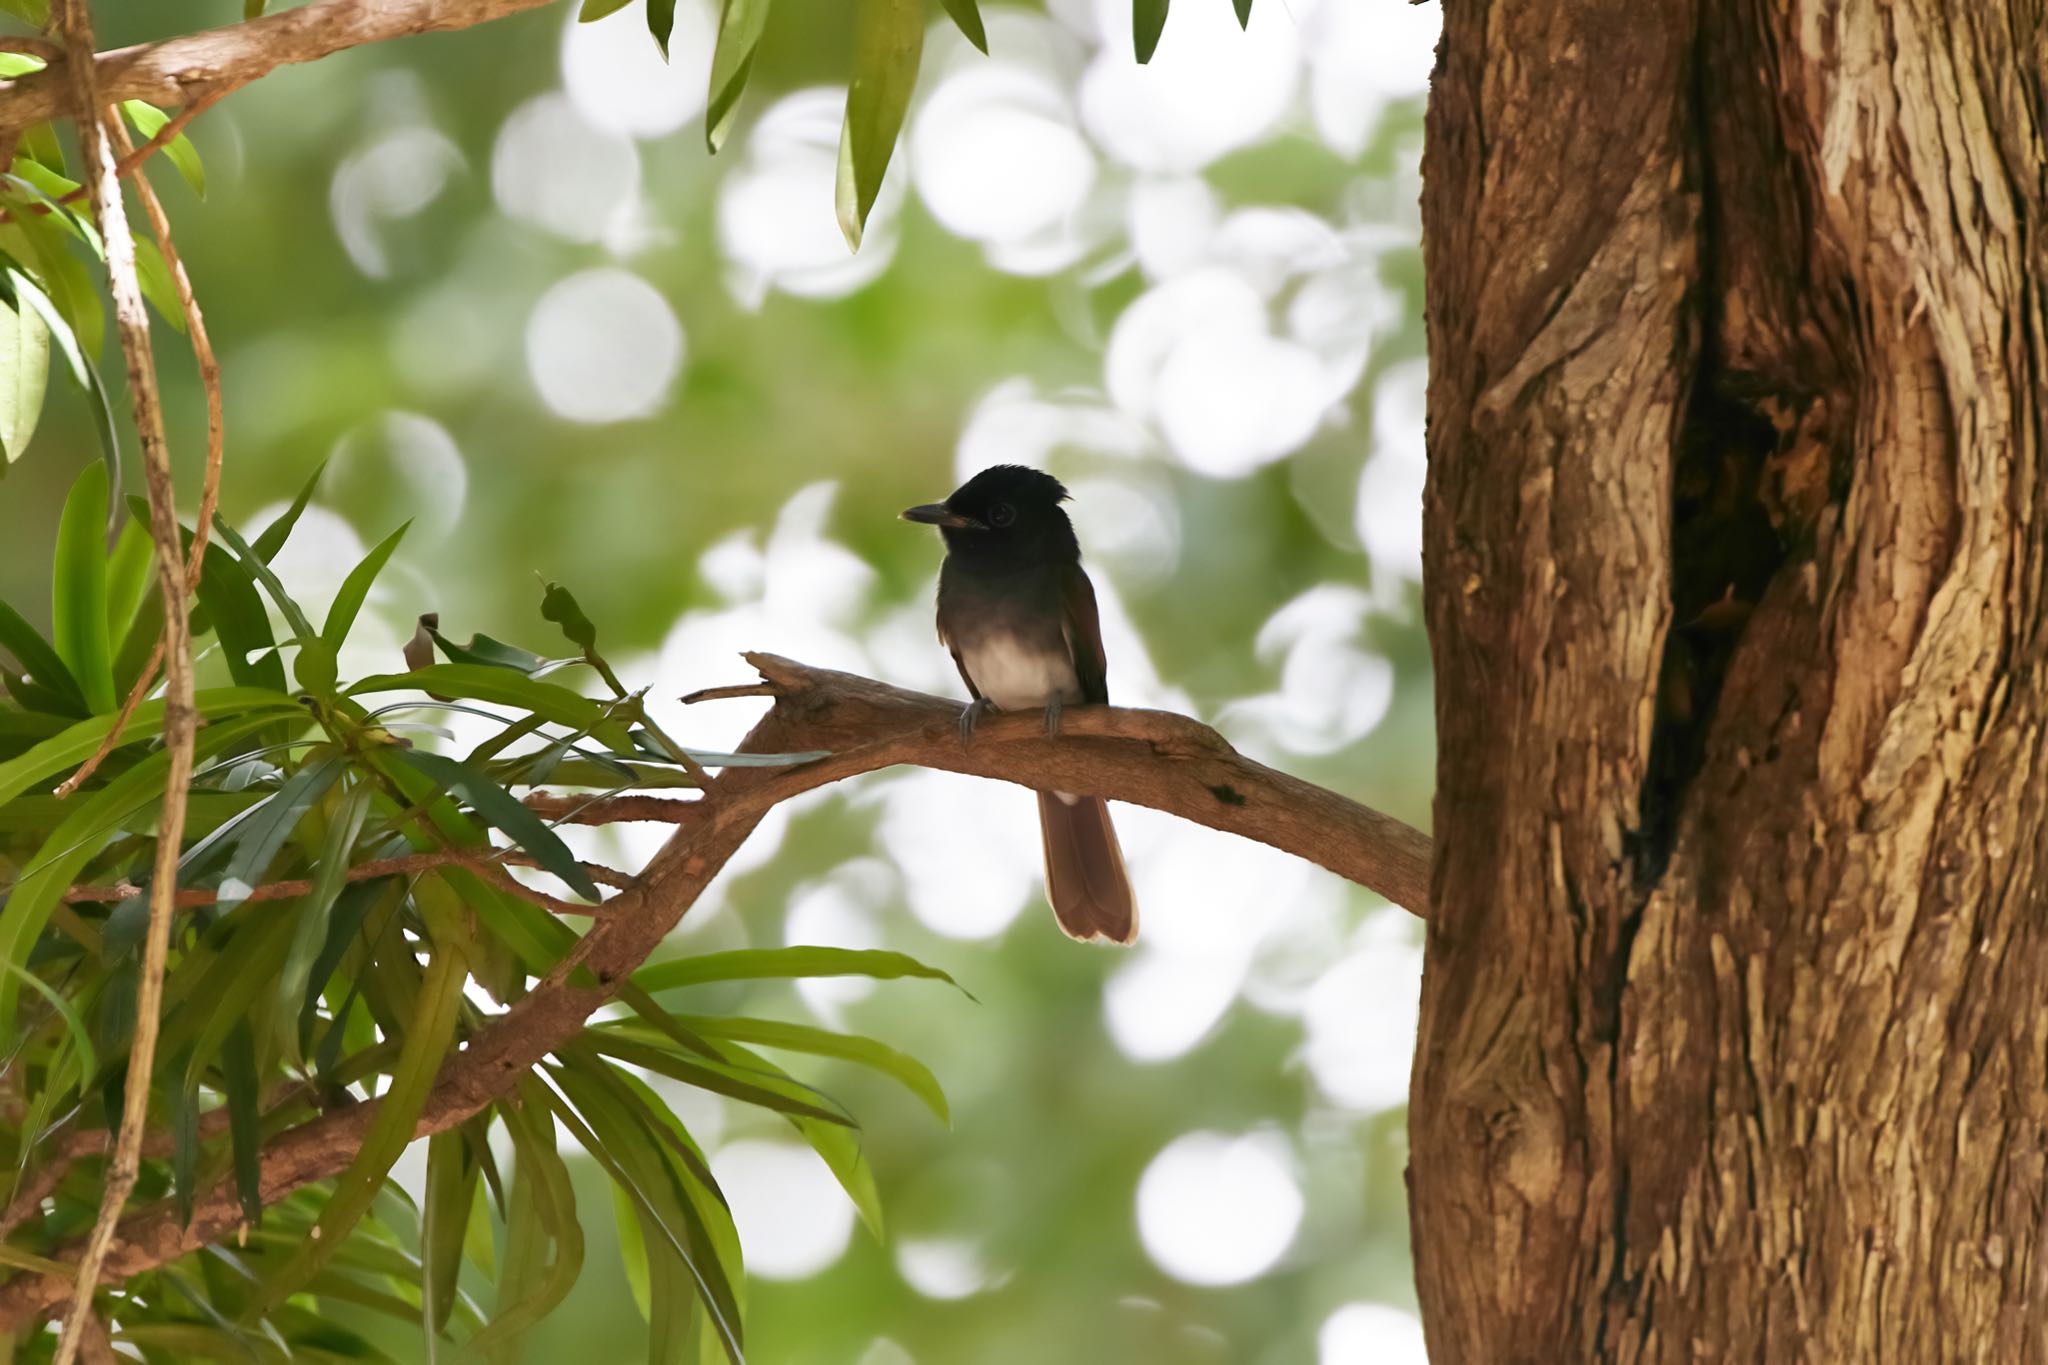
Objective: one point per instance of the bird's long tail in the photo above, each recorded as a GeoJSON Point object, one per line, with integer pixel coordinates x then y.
{"type": "Point", "coordinates": [1084, 869]}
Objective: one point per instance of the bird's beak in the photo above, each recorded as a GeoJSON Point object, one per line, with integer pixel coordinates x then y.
{"type": "Point", "coordinates": [938, 514]}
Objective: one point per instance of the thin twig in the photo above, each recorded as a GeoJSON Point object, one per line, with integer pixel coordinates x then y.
{"type": "Point", "coordinates": [112, 739]}
{"type": "Point", "coordinates": [729, 690]}
{"type": "Point", "coordinates": [406, 865]}
{"type": "Point", "coordinates": [124, 284]}
{"type": "Point", "coordinates": [133, 158]}
{"type": "Point", "coordinates": [209, 379]}
{"type": "Point", "coordinates": [195, 329]}
{"type": "Point", "coordinates": [168, 72]}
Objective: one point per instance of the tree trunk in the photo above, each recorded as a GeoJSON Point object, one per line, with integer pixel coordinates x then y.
{"type": "Point", "coordinates": [1735, 1013]}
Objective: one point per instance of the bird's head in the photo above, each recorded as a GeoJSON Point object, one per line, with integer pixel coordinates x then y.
{"type": "Point", "coordinates": [1006, 511]}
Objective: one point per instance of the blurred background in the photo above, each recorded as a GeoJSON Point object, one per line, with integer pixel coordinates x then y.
{"type": "Point", "coordinates": [496, 283]}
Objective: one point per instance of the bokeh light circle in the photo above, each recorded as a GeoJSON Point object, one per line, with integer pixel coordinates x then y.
{"type": "Point", "coordinates": [1215, 1209]}
{"type": "Point", "coordinates": [603, 346]}
{"type": "Point", "coordinates": [793, 1218]}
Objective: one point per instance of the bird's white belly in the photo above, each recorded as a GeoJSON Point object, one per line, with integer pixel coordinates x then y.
{"type": "Point", "coordinates": [1017, 678]}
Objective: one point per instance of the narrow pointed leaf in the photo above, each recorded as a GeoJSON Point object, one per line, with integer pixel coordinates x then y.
{"type": "Point", "coordinates": [78, 600]}
{"type": "Point", "coordinates": [740, 24]}
{"type": "Point", "coordinates": [661, 20]}
{"type": "Point", "coordinates": [444, 1219]}
{"type": "Point", "coordinates": [235, 610]}
{"type": "Point", "coordinates": [428, 1036]}
{"type": "Point", "coordinates": [1244, 12]}
{"type": "Point", "coordinates": [179, 151]}
{"type": "Point", "coordinates": [33, 653]}
{"type": "Point", "coordinates": [500, 808]}
{"type": "Point", "coordinates": [131, 572]}
{"type": "Point", "coordinates": [1148, 20]}
{"type": "Point", "coordinates": [259, 568]}
{"type": "Point", "coordinates": [310, 935]}
{"type": "Point", "coordinates": [259, 837]}
{"type": "Point", "coordinates": [355, 589]}
{"type": "Point", "coordinates": [752, 964]}
{"type": "Point", "coordinates": [888, 40]}
{"type": "Point", "coordinates": [504, 687]}
{"type": "Point", "coordinates": [593, 10]}
{"type": "Point", "coordinates": [60, 753]}
{"type": "Point", "coordinates": [966, 15]}
{"type": "Point", "coordinates": [913, 1074]}
{"type": "Point", "coordinates": [272, 538]}
{"type": "Point", "coordinates": [24, 377]}
{"type": "Point", "coordinates": [238, 1070]}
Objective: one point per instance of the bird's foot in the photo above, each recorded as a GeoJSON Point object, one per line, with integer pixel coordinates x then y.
{"type": "Point", "coordinates": [971, 717]}
{"type": "Point", "coordinates": [1052, 714]}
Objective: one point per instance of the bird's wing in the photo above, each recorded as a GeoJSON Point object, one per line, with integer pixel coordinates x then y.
{"type": "Point", "coordinates": [1082, 625]}
{"type": "Point", "coordinates": [958, 662]}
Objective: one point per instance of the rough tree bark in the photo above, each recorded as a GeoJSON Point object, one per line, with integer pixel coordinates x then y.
{"type": "Point", "coordinates": [1735, 1013]}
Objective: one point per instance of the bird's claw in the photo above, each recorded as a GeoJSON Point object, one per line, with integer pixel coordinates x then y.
{"type": "Point", "coordinates": [1052, 715]}
{"type": "Point", "coordinates": [971, 717]}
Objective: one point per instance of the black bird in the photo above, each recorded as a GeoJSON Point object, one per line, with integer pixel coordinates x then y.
{"type": "Point", "coordinates": [1018, 613]}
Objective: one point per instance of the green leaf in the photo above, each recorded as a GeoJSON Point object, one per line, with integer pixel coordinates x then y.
{"type": "Point", "coordinates": [622, 1142]}
{"type": "Point", "coordinates": [765, 1089]}
{"type": "Point", "coordinates": [837, 1145]}
{"type": "Point", "coordinates": [258, 566]}
{"type": "Point", "coordinates": [428, 1036]}
{"type": "Point", "coordinates": [966, 16]}
{"type": "Point", "coordinates": [310, 935]}
{"type": "Point", "coordinates": [24, 377]}
{"type": "Point", "coordinates": [444, 1219]}
{"type": "Point", "coordinates": [542, 1207]}
{"type": "Point", "coordinates": [65, 751]}
{"type": "Point", "coordinates": [131, 571]}
{"type": "Point", "coordinates": [34, 654]}
{"type": "Point", "coordinates": [350, 909]}
{"type": "Point", "coordinates": [78, 599]}
{"type": "Point", "coordinates": [154, 276]}
{"type": "Point", "coordinates": [494, 804]}
{"type": "Point", "coordinates": [1148, 20]}
{"type": "Point", "coordinates": [740, 24]}
{"type": "Point", "coordinates": [559, 605]}
{"type": "Point", "coordinates": [78, 328]}
{"type": "Point", "coordinates": [1244, 12]}
{"type": "Point", "coordinates": [272, 537]}
{"type": "Point", "coordinates": [259, 837]}
{"type": "Point", "coordinates": [34, 13]}
{"type": "Point", "coordinates": [632, 1250]}
{"type": "Point", "coordinates": [315, 669]}
{"type": "Point", "coordinates": [39, 140]}
{"type": "Point", "coordinates": [355, 589]}
{"type": "Point", "coordinates": [482, 649]}
{"type": "Point", "coordinates": [40, 885]}
{"type": "Point", "coordinates": [756, 964]}
{"type": "Point", "coordinates": [504, 687]}
{"type": "Point", "coordinates": [661, 21]}
{"type": "Point", "coordinates": [81, 1037]}
{"type": "Point", "coordinates": [888, 39]}
{"type": "Point", "coordinates": [593, 10]}
{"type": "Point", "coordinates": [900, 1066]}
{"type": "Point", "coordinates": [179, 151]}
{"type": "Point", "coordinates": [239, 621]}
{"type": "Point", "coordinates": [238, 1070]}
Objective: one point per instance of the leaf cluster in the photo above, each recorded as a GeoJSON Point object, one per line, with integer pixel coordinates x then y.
{"type": "Point", "coordinates": [304, 979]}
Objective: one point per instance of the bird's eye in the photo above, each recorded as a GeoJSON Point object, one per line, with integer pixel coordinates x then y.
{"type": "Point", "coordinates": [1002, 514]}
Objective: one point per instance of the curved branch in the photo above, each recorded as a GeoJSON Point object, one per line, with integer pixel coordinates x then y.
{"type": "Point", "coordinates": [174, 70]}
{"type": "Point", "coordinates": [1151, 758]}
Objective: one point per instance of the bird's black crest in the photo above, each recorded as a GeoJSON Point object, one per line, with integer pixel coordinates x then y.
{"type": "Point", "coordinates": [1014, 482]}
